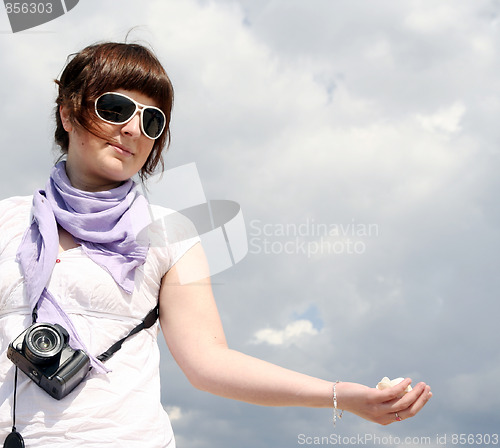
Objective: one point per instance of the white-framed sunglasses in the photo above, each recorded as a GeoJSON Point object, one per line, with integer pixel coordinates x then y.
{"type": "Point", "coordinates": [117, 108]}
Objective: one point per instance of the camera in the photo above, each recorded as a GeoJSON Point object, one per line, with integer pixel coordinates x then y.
{"type": "Point", "coordinates": [42, 352]}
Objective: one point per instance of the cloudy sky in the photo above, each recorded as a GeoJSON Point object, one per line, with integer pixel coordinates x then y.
{"type": "Point", "coordinates": [361, 140]}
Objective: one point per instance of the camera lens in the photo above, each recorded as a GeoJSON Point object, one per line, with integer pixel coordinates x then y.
{"type": "Point", "coordinates": [42, 343]}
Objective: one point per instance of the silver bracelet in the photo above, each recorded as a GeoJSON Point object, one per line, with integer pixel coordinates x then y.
{"type": "Point", "coordinates": [336, 413]}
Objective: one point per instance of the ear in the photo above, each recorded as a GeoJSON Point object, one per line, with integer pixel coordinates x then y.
{"type": "Point", "coordinates": [66, 118]}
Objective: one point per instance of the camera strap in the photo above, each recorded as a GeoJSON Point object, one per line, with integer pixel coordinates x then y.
{"type": "Point", "coordinates": [147, 322]}
{"type": "Point", "coordinates": [14, 439]}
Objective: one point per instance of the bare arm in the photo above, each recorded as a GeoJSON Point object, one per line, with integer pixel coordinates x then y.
{"type": "Point", "coordinates": [194, 334]}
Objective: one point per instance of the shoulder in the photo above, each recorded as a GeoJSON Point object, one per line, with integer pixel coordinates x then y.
{"type": "Point", "coordinates": [16, 208]}
{"type": "Point", "coordinates": [15, 216]}
{"type": "Point", "coordinates": [170, 226]}
{"type": "Point", "coordinates": [16, 201]}
{"type": "Point", "coordinates": [171, 235]}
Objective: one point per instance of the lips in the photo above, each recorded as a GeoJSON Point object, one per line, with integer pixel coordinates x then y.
{"type": "Point", "coordinates": [121, 149]}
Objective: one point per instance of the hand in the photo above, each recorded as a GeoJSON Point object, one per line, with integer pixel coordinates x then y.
{"type": "Point", "coordinates": [383, 406]}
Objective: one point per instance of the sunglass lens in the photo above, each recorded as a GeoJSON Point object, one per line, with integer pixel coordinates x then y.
{"type": "Point", "coordinates": [153, 123]}
{"type": "Point", "coordinates": [115, 108]}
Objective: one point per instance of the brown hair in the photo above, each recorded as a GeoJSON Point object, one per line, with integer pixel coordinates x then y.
{"type": "Point", "coordinates": [106, 67]}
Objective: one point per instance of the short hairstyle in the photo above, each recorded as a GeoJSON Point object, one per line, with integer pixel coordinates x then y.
{"type": "Point", "coordinates": [105, 67]}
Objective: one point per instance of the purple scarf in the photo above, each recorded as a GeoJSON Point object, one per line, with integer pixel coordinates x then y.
{"type": "Point", "coordinates": [104, 223]}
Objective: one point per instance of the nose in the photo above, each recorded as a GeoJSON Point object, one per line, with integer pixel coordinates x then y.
{"type": "Point", "coordinates": [133, 127]}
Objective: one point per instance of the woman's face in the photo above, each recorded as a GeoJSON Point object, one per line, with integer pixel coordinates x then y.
{"type": "Point", "coordinates": [96, 164]}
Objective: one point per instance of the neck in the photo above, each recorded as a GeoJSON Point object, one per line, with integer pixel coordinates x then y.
{"type": "Point", "coordinates": [92, 185]}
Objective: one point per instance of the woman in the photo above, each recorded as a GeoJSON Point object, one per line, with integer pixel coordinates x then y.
{"type": "Point", "coordinates": [71, 255]}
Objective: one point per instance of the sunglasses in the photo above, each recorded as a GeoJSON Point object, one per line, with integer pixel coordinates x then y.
{"type": "Point", "coordinates": [117, 108]}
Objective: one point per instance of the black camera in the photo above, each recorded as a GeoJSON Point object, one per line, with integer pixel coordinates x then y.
{"type": "Point", "coordinates": [42, 352]}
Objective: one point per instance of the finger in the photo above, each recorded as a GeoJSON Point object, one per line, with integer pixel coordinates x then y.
{"type": "Point", "coordinates": [416, 406]}
{"type": "Point", "coordinates": [413, 394]}
{"type": "Point", "coordinates": [409, 406]}
{"type": "Point", "coordinates": [392, 417]}
{"type": "Point", "coordinates": [407, 399]}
